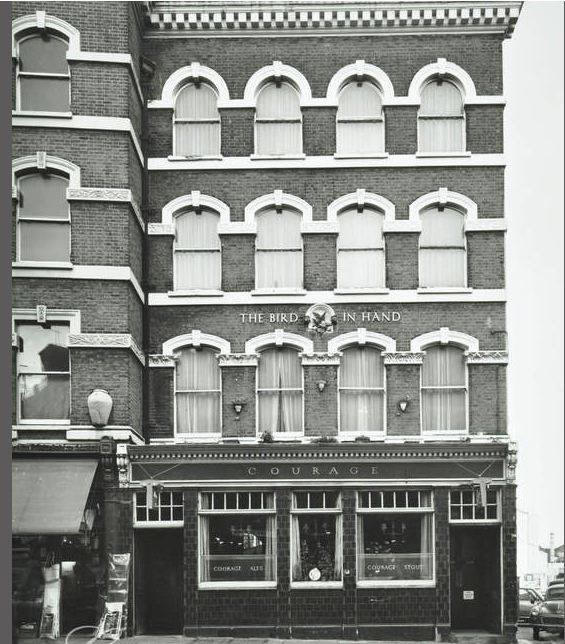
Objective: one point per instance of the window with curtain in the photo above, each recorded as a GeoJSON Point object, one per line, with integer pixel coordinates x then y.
{"type": "Point", "coordinates": [444, 389]}
{"type": "Point", "coordinates": [43, 218]}
{"type": "Point", "coordinates": [279, 391]}
{"type": "Point", "coordinates": [360, 249]}
{"type": "Point", "coordinates": [278, 120]}
{"type": "Point", "coordinates": [43, 77]}
{"type": "Point", "coordinates": [43, 371]}
{"type": "Point", "coordinates": [360, 121]}
{"type": "Point", "coordinates": [237, 537]}
{"type": "Point", "coordinates": [316, 537]}
{"type": "Point", "coordinates": [441, 118]}
{"type": "Point", "coordinates": [394, 542]}
{"type": "Point", "coordinates": [442, 253]}
{"type": "Point", "coordinates": [196, 121]}
{"type": "Point", "coordinates": [361, 390]}
{"type": "Point", "coordinates": [197, 391]}
{"type": "Point", "coordinates": [197, 251]}
{"type": "Point", "coordinates": [278, 249]}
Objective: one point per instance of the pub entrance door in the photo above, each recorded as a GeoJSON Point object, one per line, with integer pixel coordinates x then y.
{"type": "Point", "coordinates": [158, 581]}
{"type": "Point", "coordinates": [475, 578]}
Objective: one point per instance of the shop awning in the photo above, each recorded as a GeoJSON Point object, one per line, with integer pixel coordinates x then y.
{"type": "Point", "coordinates": [49, 495]}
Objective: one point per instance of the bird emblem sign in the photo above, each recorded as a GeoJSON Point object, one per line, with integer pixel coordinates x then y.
{"type": "Point", "coordinates": [320, 318]}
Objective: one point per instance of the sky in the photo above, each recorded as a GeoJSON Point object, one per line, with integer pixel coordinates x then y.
{"type": "Point", "coordinates": [533, 86]}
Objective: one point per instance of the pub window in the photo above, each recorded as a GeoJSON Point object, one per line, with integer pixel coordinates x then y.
{"type": "Point", "coordinates": [467, 505]}
{"type": "Point", "coordinates": [360, 122]}
{"type": "Point", "coordinates": [442, 252]}
{"type": "Point", "coordinates": [43, 77]}
{"type": "Point", "coordinates": [361, 390]}
{"type": "Point", "coordinates": [360, 249]}
{"type": "Point", "coordinates": [197, 251]}
{"type": "Point", "coordinates": [196, 121]}
{"type": "Point", "coordinates": [237, 538]}
{"type": "Point", "coordinates": [441, 118]}
{"type": "Point", "coordinates": [316, 538]}
{"type": "Point", "coordinates": [278, 249]}
{"type": "Point", "coordinates": [280, 391]}
{"type": "Point", "coordinates": [43, 218]}
{"type": "Point", "coordinates": [278, 120]}
{"type": "Point", "coordinates": [444, 389]}
{"type": "Point", "coordinates": [167, 508]}
{"type": "Point", "coordinates": [395, 537]}
{"type": "Point", "coordinates": [197, 391]}
{"type": "Point", "coordinates": [43, 372]}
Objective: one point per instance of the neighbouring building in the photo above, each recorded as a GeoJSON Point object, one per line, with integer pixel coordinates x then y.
{"type": "Point", "coordinates": [271, 235]}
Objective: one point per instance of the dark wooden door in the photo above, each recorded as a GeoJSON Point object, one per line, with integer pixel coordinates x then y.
{"type": "Point", "coordinates": [475, 578]}
{"type": "Point", "coordinates": [159, 581]}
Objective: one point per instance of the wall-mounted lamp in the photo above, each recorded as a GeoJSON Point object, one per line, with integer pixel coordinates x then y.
{"type": "Point", "coordinates": [402, 405]}
{"type": "Point", "coordinates": [238, 406]}
{"type": "Point", "coordinates": [321, 385]}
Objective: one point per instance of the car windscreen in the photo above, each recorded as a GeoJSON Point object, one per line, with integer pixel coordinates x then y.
{"type": "Point", "coordinates": [554, 593]}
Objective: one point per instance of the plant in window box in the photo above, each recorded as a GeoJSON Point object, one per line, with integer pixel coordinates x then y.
{"type": "Point", "coordinates": [325, 439]}
{"type": "Point", "coordinates": [267, 437]}
{"type": "Point", "coordinates": [362, 439]}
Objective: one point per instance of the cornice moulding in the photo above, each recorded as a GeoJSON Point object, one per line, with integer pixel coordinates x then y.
{"type": "Point", "coordinates": [161, 360]}
{"type": "Point", "coordinates": [320, 359]}
{"type": "Point", "coordinates": [106, 341]}
{"type": "Point", "coordinates": [237, 360]}
{"type": "Point", "coordinates": [403, 357]}
{"type": "Point", "coordinates": [487, 357]}
{"type": "Point", "coordinates": [107, 194]}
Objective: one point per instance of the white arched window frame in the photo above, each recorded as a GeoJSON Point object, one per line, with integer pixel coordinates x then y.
{"type": "Point", "coordinates": [278, 119]}
{"type": "Point", "coordinates": [362, 339]}
{"type": "Point", "coordinates": [281, 340]}
{"type": "Point", "coordinates": [441, 117]}
{"type": "Point", "coordinates": [360, 122]}
{"type": "Point", "coordinates": [196, 121]}
{"type": "Point", "coordinates": [442, 406]}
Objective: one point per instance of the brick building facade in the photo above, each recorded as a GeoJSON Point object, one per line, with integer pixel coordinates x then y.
{"type": "Point", "coordinates": [275, 237]}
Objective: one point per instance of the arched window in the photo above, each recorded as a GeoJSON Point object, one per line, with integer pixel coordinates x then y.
{"type": "Point", "coordinates": [278, 120]}
{"type": "Point", "coordinates": [43, 218]}
{"type": "Point", "coordinates": [196, 121]}
{"type": "Point", "coordinates": [360, 249]}
{"type": "Point", "coordinates": [441, 118]}
{"type": "Point", "coordinates": [442, 254]}
{"type": "Point", "coordinates": [278, 249]}
{"type": "Point", "coordinates": [444, 389]}
{"type": "Point", "coordinates": [197, 391]}
{"type": "Point", "coordinates": [280, 391]}
{"type": "Point", "coordinates": [43, 77]}
{"type": "Point", "coordinates": [361, 390]}
{"type": "Point", "coordinates": [197, 250]}
{"type": "Point", "coordinates": [360, 122]}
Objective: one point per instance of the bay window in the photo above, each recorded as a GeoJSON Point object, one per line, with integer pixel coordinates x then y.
{"type": "Point", "coordinates": [280, 391]}
{"type": "Point", "coordinates": [196, 121]}
{"type": "Point", "coordinates": [197, 391]}
{"type": "Point", "coordinates": [316, 538]}
{"type": "Point", "coordinates": [43, 372]}
{"type": "Point", "coordinates": [43, 218]}
{"type": "Point", "coordinates": [360, 123]}
{"type": "Point", "coordinates": [278, 120]}
{"type": "Point", "coordinates": [360, 249]}
{"type": "Point", "coordinates": [442, 253]}
{"type": "Point", "coordinates": [444, 389]}
{"type": "Point", "coordinates": [441, 118]}
{"type": "Point", "coordinates": [43, 77]}
{"type": "Point", "coordinates": [361, 390]}
{"type": "Point", "coordinates": [278, 249]}
{"type": "Point", "coordinates": [197, 251]}
{"type": "Point", "coordinates": [237, 538]}
{"type": "Point", "coordinates": [395, 537]}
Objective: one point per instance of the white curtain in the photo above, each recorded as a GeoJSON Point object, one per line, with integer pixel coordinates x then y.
{"type": "Point", "coordinates": [426, 546]}
{"type": "Point", "coordinates": [280, 390]}
{"type": "Point", "coordinates": [270, 548]}
{"type": "Point", "coordinates": [444, 394]}
{"type": "Point", "coordinates": [338, 561]}
{"type": "Point", "coordinates": [441, 118]}
{"type": "Point", "coordinates": [204, 549]}
{"type": "Point", "coordinates": [197, 121]}
{"type": "Point", "coordinates": [197, 391]}
{"type": "Point", "coordinates": [360, 128]}
{"type": "Point", "coordinates": [278, 120]}
{"type": "Point", "coordinates": [296, 562]}
{"type": "Point", "coordinates": [278, 257]}
{"type": "Point", "coordinates": [360, 244]}
{"type": "Point", "coordinates": [442, 254]}
{"type": "Point", "coordinates": [361, 381]}
{"type": "Point", "coordinates": [197, 251]}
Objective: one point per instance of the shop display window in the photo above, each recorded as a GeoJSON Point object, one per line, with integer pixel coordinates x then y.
{"type": "Point", "coordinates": [466, 505]}
{"type": "Point", "coordinates": [395, 536]}
{"type": "Point", "coordinates": [316, 537]}
{"type": "Point", "coordinates": [237, 538]}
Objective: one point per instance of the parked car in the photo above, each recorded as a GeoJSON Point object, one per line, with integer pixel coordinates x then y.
{"type": "Point", "coordinates": [548, 615]}
{"type": "Point", "coordinates": [528, 598]}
